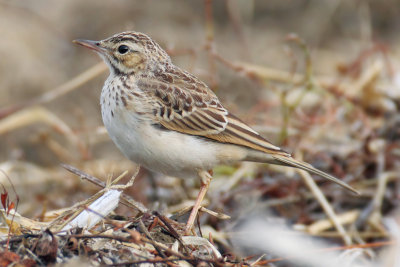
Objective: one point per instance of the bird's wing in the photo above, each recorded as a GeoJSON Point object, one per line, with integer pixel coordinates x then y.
{"type": "Point", "coordinates": [184, 104]}
{"type": "Point", "coordinates": [188, 106]}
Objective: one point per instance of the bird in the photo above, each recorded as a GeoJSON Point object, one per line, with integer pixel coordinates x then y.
{"type": "Point", "coordinates": [169, 121]}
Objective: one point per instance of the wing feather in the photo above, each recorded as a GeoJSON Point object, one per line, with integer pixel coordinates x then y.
{"type": "Point", "coordinates": [197, 122]}
{"type": "Point", "coordinates": [238, 133]}
{"type": "Point", "coordinates": [199, 112]}
{"type": "Point", "coordinates": [184, 104]}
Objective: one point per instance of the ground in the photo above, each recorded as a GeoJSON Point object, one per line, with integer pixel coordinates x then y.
{"type": "Point", "coordinates": [321, 79]}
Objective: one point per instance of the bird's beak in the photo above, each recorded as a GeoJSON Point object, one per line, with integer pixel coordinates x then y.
{"type": "Point", "coordinates": [94, 45]}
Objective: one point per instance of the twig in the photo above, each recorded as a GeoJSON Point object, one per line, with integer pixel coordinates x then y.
{"type": "Point", "coordinates": [244, 169]}
{"type": "Point", "coordinates": [192, 260]}
{"type": "Point", "coordinates": [146, 232]}
{"type": "Point", "coordinates": [41, 114]}
{"type": "Point", "coordinates": [375, 205]}
{"type": "Point", "coordinates": [128, 240]}
{"type": "Point", "coordinates": [125, 199]}
{"type": "Point", "coordinates": [325, 205]}
{"type": "Point", "coordinates": [368, 245]}
{"type": "Point", "coordinates": [63, 89]}
{"type": "Point", "coordinates": [75, 211]}
{"type": "Point", "coordinates": [7, 208]}
{"type": "Point", "coordinates": [322, 225]}
{"type": "Point", "coordinates": [172, 231]}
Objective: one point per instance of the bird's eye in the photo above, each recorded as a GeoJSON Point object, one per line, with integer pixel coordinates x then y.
{"type": "Point", "coordinates": [122, 49]}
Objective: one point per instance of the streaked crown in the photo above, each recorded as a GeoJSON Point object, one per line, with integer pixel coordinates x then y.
{"type": "Point", "coordinates": [129, 52]}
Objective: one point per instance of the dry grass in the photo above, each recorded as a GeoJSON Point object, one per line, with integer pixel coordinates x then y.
{"type": "Point", "coordinates": [328, 93]}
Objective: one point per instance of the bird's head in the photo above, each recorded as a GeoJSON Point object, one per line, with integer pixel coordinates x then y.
{"type": "Point", "coordinates": [128, 52]}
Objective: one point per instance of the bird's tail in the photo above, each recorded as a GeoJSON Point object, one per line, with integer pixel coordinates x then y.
{"type": "Point", "coordinates": [289, 161]}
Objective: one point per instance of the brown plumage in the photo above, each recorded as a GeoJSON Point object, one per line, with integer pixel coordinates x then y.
{"type": "Point", "coordinates": [168, 120]}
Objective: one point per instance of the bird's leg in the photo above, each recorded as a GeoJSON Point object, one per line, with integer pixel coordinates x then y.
{"type": "Point", "coordinates": [205, 182]}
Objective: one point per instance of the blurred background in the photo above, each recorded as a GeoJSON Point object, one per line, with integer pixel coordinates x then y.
{"type": "Point", "coordinates": [320, 78]}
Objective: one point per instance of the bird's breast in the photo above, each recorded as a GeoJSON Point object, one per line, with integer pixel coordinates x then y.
{"type": "Point", "coordinates": [166, 151]}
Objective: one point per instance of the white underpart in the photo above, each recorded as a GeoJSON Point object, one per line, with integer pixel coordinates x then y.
{"type": "Point", "coordinates": [168, 152]}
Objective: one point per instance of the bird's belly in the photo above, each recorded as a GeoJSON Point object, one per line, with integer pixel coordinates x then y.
{"type": "Point", "coordinates": [168, 152]}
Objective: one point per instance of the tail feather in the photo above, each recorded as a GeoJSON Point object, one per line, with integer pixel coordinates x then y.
{"type": "Point", "coordinates": [289, 161]}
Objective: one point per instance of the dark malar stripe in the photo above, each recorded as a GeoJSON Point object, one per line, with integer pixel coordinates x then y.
{"type": "Point", "coordinates": [118, 71]}
{"type": "Point", "coordinates": [115, 69]}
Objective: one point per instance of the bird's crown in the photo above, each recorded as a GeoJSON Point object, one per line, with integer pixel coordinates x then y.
{"type": "Point", "coordinates": [129, 52]}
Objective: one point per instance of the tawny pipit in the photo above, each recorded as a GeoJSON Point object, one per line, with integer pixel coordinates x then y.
{"type": "Point", "coordinates": [169, 121]}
